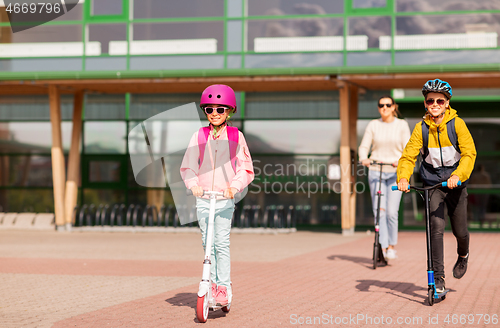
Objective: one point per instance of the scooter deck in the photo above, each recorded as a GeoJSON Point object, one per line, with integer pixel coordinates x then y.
{"type": "Point", "coordinates": [440, 295]}
{"type": "Point", "coordinates": [218, 307]}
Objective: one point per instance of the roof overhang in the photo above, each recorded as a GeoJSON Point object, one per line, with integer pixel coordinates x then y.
{"type": "Point", "coordinates": [265, 83]}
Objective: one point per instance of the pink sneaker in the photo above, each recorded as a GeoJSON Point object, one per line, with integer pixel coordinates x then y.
{"type": "Point", "coordinates": [214, 290]}
{"type": "Point", "coordinates": [221, 296]}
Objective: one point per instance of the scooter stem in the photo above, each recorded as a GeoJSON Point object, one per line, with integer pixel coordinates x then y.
{"type": "Point", "coordinates": [428, 231]}
{"type": "Point", "coordinates": [210, 239]}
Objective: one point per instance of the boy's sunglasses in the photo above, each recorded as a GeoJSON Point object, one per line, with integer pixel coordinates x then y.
{"type": "Point", "coordinates": [210, 110]}
{"type": "Point", "coordinates": [382, 105]}
{"type": "Point", "coordinates": [439, 101]}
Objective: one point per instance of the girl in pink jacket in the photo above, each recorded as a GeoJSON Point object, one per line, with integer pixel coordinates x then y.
{"type": "Point", "coordinates": [218, 159]}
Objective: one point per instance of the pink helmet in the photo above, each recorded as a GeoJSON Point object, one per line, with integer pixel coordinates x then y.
{"type": "Point", "coordinates": [219, 94]}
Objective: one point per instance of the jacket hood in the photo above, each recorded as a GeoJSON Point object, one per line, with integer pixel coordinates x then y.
{"type": "Point", "coordinates": [449, 114]}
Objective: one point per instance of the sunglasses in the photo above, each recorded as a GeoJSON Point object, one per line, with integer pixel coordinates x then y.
{"type": "Point", "coordinates": [210, 110]}
{"type": "Point", "coordinates": [439, 101]}
{"type": "Point", "coordinates": [382, 105]}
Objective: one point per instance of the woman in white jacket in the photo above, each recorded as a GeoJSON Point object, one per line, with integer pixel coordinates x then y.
{"type": "Point", "coordinates": [387, 137]}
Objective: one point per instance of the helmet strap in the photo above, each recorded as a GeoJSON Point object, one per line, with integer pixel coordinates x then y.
{"type": "Point", "coordinates": [218, 127]}
{"type": "Point", "coordinates": [438, 116]}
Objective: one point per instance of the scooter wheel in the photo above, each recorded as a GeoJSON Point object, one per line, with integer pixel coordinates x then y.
{"type": "Point", "coordinates": [375, 256]}
{"type": "Point", "coordinates": [226, 308]}
{"type": "Point", "coordinates": [202, 309]}
{"type": "Point", "coordinates": [430, 296]}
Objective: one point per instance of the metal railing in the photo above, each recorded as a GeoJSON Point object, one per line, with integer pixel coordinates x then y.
{"type": "Point", "coordinates": [137, 215]}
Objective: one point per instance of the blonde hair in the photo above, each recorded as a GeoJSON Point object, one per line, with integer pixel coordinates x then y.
{"type": "Point", "coordinates": [396, 112]}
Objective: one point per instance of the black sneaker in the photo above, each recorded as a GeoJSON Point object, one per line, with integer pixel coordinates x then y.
{"type": "Point", "coordinates": [439, 281]}
{"type": "Point", "coordinates": [460, 267]}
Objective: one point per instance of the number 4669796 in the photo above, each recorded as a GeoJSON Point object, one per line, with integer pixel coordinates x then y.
{"type": "Point", "coordinates": [34, 8]}
{"type": "Point", "coordinates": [471, 319]}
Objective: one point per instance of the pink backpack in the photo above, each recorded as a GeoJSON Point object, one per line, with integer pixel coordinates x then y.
{"type": "Point", "coordinates": [232, 136]}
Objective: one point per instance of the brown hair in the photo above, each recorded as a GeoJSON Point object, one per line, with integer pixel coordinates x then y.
{"type": "Point", "coordinates": [396, 112]}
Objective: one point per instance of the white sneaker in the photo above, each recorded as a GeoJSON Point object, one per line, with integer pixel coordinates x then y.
{"type": "Point", "coordinates": [230, 294]}
{"type": "Point", "coordinates": [391, 254]}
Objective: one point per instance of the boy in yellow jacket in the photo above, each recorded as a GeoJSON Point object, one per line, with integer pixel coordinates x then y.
{"type": "Point", "coordinates": [448, 154]}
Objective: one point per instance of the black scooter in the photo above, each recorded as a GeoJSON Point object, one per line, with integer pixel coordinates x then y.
{"type": "Point", "coordinates": [378, 254]}
{"type": "Point", "coordinates": [432, 294]}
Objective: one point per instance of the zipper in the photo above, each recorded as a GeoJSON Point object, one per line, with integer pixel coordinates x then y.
{"type": "Point", "coordinates": [440, 149]}
{"type": "Point", "coordinates": [215, 163]}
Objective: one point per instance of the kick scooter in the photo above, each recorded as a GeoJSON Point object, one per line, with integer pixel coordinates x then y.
{"type": "Point", "coordinates": [378, 254]}
{"type": "Point", "coordinates": [206, 301]}
{"type": "Point", "coordinates": [432, 294]}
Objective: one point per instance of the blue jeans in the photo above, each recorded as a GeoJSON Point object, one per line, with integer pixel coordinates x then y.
{"type": "Point", "coordinates": [220, 269]}
{"type": "Point", "coordinates": [389, 206]}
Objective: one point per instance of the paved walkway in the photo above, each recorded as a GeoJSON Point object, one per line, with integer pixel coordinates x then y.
{"type": "Point", "coordinates": [50, 279]}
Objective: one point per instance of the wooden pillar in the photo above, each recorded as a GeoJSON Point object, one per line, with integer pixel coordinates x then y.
{"type": "Point", "coordinates": [156, 197]}
{"type": "Point", "coordinates": [58, 169]}
{"type": "Point", "coordinates": [348, 144]}
{"type": "Point", "coordinates": [71, 195]}
{"type": "Point", "coordinates": [353, 144]}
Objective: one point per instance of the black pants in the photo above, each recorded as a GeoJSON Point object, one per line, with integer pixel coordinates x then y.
{"type": "Point", "coordinates": [455, 201]}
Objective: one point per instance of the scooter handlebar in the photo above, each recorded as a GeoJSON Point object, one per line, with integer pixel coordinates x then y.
{"type": "Point", "coordinates": [443, 184]}
{"type": "Point", "coordinates": [378, 163]}
{"type": "Point", "coordinates": [189, 192]}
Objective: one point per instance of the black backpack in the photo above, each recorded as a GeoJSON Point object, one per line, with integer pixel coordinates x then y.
{"type": "Point", "coordinates": [428, 173]}
{"type": "Point", "coordinates": [452, 135]}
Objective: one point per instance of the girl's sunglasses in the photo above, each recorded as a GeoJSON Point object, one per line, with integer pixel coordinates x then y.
{"type": "Point", "coordinates": [439, 101]}
{"type": "Point", "coordinates": [210, 110]}
{"type": "Point", "coordinates": [382, 105]}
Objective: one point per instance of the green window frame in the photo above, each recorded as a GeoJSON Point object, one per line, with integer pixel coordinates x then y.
{"type": "Point", "coordinates": [387, 10]}
{"type": "Point", "coordinates": [89, 17]}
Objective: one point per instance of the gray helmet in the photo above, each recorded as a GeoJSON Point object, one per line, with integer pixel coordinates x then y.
{"type": "Point", "coordinates": [439, 86]}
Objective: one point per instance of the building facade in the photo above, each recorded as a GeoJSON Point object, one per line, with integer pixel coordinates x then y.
{"type": "Point", "coordinates": [288, 62]}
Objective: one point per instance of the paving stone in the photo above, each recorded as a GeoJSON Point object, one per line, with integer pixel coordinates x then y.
{"type": "Point", "coordinates": [317, 279]}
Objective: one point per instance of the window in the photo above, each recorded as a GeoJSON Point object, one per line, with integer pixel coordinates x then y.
{"type": "Point", "coordinates": [104, 171]}
{"type": "Point", "coordinates": [31, 137]}
{"type": "Point", "coordinates": [294, 7]}
{"type": "Point", "coordinates": [284, 105]}
{"type": "Point", "coordinates": [105, 137]}
{"type": "Point", "coordinates": [308, 34]}
{"type": "Point", "coordinates": [371, 27]}
{"type": "Point", "coordinates": [451, 32]}
{"type": "Point", "coordinates": [107, 7]}
{"type": "Point", "coordinates": [445, 5]}
{"type": "Point", "coordinates": [105, 33]}
{"type": "Point", "coordinates": [370, 6]}
{"type": "Point", "coordinates": [293, 136]}
{"type": "Point", "coordinates": [104, 107]}
{"type": "Point", "coordinates": [369, 3]}
{"type": "Point", "coordinates": [186, 8]}
{"type": "Point", "coordinates": [106, 10]}
{"type": "Point", "coordinates": [178, 38]}
{"type": "Point", "coordinates": [26, 171]}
